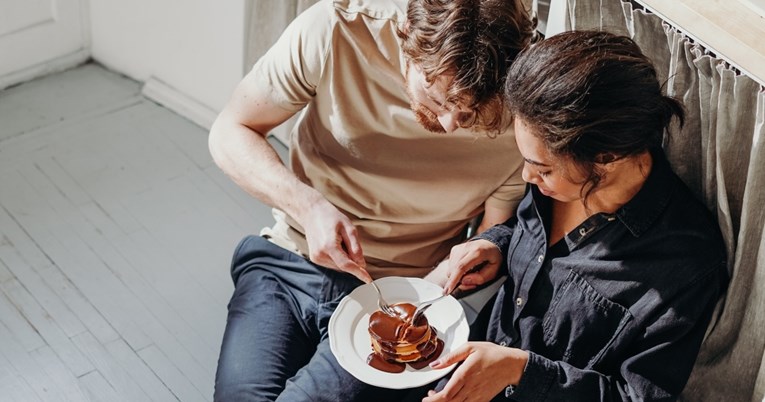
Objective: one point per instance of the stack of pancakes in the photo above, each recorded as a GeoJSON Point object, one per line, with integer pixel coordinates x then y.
{"type": "Point", "coordinates": [396, 339]}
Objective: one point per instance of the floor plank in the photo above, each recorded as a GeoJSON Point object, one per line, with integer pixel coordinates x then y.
{"type": "Point", "coordinates": [116, 233]}
{"type": "Point", "coordinates": [61, 376]}
{"type": "Point", "coordinates": [69, 95]}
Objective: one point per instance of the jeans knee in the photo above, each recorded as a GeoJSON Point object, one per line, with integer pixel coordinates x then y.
{"type": "Point", "coordinates": [234, 392]}
{"type": "Point", "coordinates": [246, 250]}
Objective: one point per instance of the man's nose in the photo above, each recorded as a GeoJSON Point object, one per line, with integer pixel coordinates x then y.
{"type": "Point", "coordinates": [448, 121]}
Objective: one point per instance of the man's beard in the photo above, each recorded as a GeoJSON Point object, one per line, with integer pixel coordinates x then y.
{"type": "Point", "coordinates": [423, 115]}
{"type": "Point", "coordinates": [426, 118]}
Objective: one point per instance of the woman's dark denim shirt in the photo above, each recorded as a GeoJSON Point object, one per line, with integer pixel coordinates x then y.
{"type": "Point", "coordinates": [616, 310]}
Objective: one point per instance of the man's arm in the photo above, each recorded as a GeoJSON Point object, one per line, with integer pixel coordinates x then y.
{"type": "Point", "coordinates": [238, 146]}
{"type": "Point", "coordinates": [492, 215]}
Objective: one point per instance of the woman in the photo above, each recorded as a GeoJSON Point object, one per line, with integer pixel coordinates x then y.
{"type": "Point", "coordinates": [614, 269]}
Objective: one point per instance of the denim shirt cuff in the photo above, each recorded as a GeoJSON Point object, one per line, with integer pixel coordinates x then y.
{"type": "Point", "coordinates": [499, 235]}
{"type": "Point", "coordinates": [537, 378]}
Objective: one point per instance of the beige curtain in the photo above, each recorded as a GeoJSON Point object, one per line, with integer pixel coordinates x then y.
{"type": "Point", "coordinates": [265, 21]}
{"type": "Point", "coordinates": [720, 153]}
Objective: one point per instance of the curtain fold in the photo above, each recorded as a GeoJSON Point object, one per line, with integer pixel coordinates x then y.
{"type": "Point", "coordinates": [720, 155]}
{"type": "Point", "coordinates": [265, 21]}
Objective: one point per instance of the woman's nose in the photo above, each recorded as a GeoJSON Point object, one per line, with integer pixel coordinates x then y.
{"type": "Point", "coordinates": [528, 175]}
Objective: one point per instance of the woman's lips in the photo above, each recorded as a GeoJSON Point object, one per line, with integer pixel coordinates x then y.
{"type": "Point", "coordinates": [547, 193]}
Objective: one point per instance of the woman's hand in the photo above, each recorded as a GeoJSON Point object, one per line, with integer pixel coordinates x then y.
{"type": "Point", "coordinates": [486, 370]}
{"type": "Point", "coordinates": [333, 240]}
{"type": "Point", "coordinates": [472, 264]}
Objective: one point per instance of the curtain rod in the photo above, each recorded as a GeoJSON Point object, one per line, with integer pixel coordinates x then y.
{"type": "Point", "coordinates": [665, 11]}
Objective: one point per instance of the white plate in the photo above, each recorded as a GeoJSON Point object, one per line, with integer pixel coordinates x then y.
{"type": "Point", "coordinates": [349, 336]}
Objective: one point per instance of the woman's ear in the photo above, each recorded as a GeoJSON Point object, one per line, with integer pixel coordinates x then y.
{"type": "Point", "coordinates": [607, 162]}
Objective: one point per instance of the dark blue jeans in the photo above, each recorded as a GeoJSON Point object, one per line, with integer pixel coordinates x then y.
{"type": "Point", "coordinates": [276, 346]}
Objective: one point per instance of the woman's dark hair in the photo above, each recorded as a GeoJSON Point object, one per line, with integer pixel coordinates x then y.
{"type": "Point", "coordinates": [590, 96]}
{"type": "Point", "coordinates": [474, 40]}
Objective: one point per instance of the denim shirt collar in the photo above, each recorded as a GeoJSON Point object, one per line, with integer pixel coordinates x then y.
{"type": "Point", "coordinates": [640, 213]}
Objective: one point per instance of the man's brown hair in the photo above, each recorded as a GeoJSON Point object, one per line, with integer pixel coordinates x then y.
{"type": "Point", "coordinates": [476, 41]}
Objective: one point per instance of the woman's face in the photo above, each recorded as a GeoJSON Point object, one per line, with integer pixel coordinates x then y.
{"type": "Point", "coordinates": [558, 178]}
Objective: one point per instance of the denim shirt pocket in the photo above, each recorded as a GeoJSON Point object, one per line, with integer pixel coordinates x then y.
{"type": "Point", "coordinates": [581, 324]}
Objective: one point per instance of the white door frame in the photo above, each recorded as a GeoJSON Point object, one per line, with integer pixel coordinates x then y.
{"type": "Point", "coordinates": [38, 37]}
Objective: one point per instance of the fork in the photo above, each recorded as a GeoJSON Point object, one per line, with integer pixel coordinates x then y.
{"type": "Point", "coordinates": [426, 304]}
{"type": "Point", "coordinates": [384, 306]}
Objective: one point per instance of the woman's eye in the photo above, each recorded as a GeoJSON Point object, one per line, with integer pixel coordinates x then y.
{"type": "Point", "coordinates": [544, 174]}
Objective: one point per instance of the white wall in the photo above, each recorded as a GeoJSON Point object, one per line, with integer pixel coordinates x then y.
{"type": "Point", "coordinates": [189, 52]}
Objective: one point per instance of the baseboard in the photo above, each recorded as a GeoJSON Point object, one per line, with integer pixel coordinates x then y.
{"type": "Point", "coordinates": [179, 102]}
{"type": "Point", "coordinates": [48, 67]}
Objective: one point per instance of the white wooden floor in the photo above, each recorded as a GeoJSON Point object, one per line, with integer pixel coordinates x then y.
{"type": "Point", "coordinates": [116, 232]}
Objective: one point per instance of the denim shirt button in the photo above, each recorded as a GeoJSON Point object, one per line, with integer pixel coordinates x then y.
{"type": "Point", "coordinates": [509, 391]}
{"type": "Point", "coordinates": [519, 301]}
{"type": "Point", "coordinates": [503, 343]}
{"type": "Point", "coordinates": [541, 258]}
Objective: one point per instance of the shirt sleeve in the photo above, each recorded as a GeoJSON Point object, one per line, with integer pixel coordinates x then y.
{"type": "Point", "coordinates": [510, 193]}
{"type": "Point", "coordinates": [657, 369]}
{"type": "Point", "coordinates": [293, 66]}
{"type": "Point", "coordinates": [500, 235]}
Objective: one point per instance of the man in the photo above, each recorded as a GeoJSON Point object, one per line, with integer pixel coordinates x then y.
{"type": "Point", "coordinates": [399, 145]}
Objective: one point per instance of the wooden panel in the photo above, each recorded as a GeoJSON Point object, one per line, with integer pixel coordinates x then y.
{"type": "Point", "coordinates": [65, 381]}
{"type": "Point", "coordinates": [174, 379]}
{"type": "Point", "coordinates": [728, 28]}
{"type": "Point", "coordinates": [12, 385]}
{"type": "Point", "coordinates": [140, 372]}
{"type": "Point", "coordinates": [116, 233]}
{"type": "Point", "coordinates": [110, 368]}
{"type": "Point", "coordinates": [34, 284]}
{"type": "Point", "coordinates": [5, 273]}
{"type": "Point", "coordinates": [19, 360]}
{"type": "Point", "coordinates": [59, 99]}
{"type": "Point", "coordinates": [18, 326]}
{"type": "Point", "coordinates": [48, 329]}
{"type": "Point", "coordinates": [97, 388]}
{"type": "Point", "coordinates": [86, 312]}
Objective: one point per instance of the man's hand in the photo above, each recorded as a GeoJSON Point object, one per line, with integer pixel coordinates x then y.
{"type": "Point", "coordinates": [463, 260]}
{"type": "Point", "coordinates": [486, 370]}
{"type": "Point", "coordinates": [333, 240]}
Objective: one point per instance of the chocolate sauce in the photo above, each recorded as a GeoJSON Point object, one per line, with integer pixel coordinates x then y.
{"type": "Point", "coordinates": [421, 364]}
{"type": "Point", "coordinates": [391, 334]}
{"type": "Point", "coordinates": [381, 364]}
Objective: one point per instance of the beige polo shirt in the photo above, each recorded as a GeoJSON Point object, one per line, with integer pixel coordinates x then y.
{"type": "Point", "coordinates": [409, 192]}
